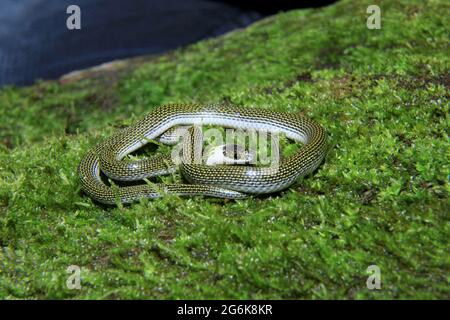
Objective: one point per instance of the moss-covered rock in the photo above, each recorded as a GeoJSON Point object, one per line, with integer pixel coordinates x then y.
{"type": "Point", "coordinates": [381, 197]}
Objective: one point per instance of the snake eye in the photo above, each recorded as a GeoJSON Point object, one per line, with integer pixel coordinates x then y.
{"type": "Point", "coordinates": [233, 151]}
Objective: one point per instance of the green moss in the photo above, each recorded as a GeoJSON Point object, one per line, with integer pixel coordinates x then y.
{"type": "Point", "coordinates": [381, 196]}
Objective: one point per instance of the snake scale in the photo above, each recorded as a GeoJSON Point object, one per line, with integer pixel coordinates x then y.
{"type": "Point", "coordinates": [225, 181]}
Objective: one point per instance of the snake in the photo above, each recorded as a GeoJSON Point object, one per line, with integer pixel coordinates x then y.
{"type": "Point", "coordinates": [222, 181]}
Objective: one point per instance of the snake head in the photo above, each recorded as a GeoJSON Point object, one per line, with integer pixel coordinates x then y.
{"type": "Point", "coordinates": [230, 154]}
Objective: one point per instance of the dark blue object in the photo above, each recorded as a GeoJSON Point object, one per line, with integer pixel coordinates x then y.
{"type": "Point", "coordinates": [36, 43]}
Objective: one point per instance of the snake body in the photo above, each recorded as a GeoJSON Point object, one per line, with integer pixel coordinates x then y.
{"type": "Point", "coordinates": [218, 181]}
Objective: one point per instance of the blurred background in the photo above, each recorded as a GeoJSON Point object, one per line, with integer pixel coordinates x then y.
{"type": "Point", "coordinates": [35, 42]}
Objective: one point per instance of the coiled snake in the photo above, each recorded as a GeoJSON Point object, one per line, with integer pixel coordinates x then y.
{"type": "Point", "coordinates": [225, 181]}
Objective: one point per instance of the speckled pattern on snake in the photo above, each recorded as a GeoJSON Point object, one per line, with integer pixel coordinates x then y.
{"type": "Point", "coordinates": [225, 181]}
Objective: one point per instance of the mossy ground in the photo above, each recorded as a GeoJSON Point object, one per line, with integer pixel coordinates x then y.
{"type": "Point", "coordinates": [381, 197]}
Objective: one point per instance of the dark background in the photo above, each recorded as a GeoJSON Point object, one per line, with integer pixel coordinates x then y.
{"type": "Point", "coordinates": [35, 42]}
